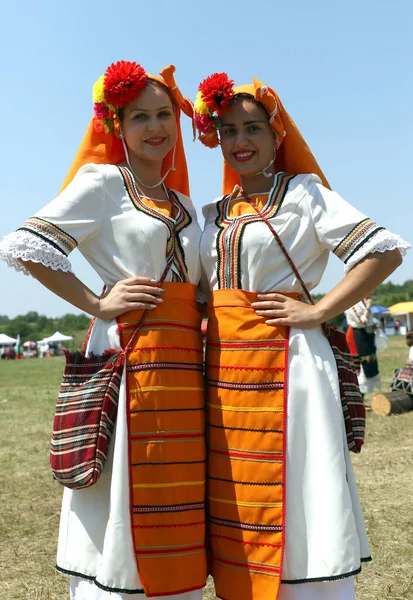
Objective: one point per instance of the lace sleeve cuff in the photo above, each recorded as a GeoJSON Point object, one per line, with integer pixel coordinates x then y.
{"type": "Point", "coordinates": [27, 246]}
{"type": "Point", "coordinates": [382, 241]}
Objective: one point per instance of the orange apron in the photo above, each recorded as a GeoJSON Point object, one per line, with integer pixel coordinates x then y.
{"type": "Point", "coordinates": [166, 443]}
{"type": "Point", "coordinates": [246, 366]}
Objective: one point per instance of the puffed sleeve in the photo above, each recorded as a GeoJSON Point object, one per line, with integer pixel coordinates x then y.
{"type": "Point", "coordinates": [71, 219]}
{"type": "Point", "coordinates": [344, 230]}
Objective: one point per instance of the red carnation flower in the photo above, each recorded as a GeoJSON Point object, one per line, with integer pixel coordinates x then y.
{"type": "Point", "coordinates": [203, 123]}
{"type": "Point", "coordinates": [217, 90]}
{"type": "Point", "coordinates": [123, 82]}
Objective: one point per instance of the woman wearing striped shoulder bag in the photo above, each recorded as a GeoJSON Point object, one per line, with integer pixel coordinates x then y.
{"type": "Point", "coordinates": [139, 530]}
{"type": "Point", "coordinates": [285, 520]}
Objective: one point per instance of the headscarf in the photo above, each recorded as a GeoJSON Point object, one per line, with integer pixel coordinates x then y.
{"type": "Point", "coordinates": [103, 147]}
{"type": "Point", "coordinates": [292, 152]}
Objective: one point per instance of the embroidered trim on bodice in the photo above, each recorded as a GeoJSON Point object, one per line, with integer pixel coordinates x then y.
{"type": "Point", "coordinates": [231, 230]}
{"type": "Point", "coordinates": [174, 249]}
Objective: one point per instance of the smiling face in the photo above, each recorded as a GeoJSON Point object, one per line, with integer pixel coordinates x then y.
{"type": "Point", "coordinates": [149, 124]}
{"type": "Point", "coordinates": [247, 139]}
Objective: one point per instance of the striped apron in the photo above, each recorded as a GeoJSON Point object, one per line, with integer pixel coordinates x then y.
{"type": "Point", "coordinates": [246, 366]}
{"type": "Point", "coordinates": [166, 443]}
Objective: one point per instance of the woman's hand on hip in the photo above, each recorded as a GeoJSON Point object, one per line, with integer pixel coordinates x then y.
{"type": "Point", "coordinates": [278, 309]}
{"type": "Point", "coordinates": [134, 293]}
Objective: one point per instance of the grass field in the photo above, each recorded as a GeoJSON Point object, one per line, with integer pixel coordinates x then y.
{"type": "Point", "coordinates": [30, 500]}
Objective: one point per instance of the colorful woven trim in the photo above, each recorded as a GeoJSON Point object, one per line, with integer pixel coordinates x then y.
{"type": "Point", "coordinates": [356, 238]}
{"type": "Point", "coordinates": [231, 230]}
{"type": "Point", "coordinates": [174, 249]}
{"type": "Point", "coordinates": [51, 234]}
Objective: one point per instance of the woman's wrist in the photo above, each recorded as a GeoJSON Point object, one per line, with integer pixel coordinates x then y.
{"type": "Point", "coordinates": [319, 314]}
{"type": "Point", "coordinates": [98, 309]}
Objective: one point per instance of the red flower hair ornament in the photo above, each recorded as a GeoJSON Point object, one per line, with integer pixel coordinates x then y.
{"type": "Point", "coordinates": [121, 83]}
{"type": "Point", "coordinates": [213, 98]}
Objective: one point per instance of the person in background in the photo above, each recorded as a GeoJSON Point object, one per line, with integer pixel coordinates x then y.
{"type": "Point", "coordinates": [360, 338]}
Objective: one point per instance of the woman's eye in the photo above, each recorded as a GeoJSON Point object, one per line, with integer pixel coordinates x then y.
{"type": "Point", "coordinates": [164, 114]}
{"type": "Point", "coordinates": [253, 128]}
{"type": "Point", "coordinates": [227, 132]}
{"type": "Point", "coordinates": [140, 116]}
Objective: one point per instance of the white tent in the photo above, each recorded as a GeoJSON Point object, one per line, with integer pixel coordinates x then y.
{"type": "Point", "coordinates": [56, 338]}
{"type": "Point", "coordinates": [6, 340]}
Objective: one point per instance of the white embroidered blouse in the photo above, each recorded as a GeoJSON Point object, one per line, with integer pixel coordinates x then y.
{"type": "Point", "coordinates": [118, 233]}
{"type": "Point", "coordinates": [311, 221]}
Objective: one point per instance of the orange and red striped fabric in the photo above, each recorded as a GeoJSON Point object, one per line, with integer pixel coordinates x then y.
{"type": "Point", "coordinates": [166, 443]}
{"type": "Point", "coordinates": [246, 365]}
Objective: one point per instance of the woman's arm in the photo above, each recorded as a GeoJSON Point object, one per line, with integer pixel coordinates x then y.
{"type": "Point", "coordinates": [128, 294]}
{"type": "Point", "coordinates": [360, 281]}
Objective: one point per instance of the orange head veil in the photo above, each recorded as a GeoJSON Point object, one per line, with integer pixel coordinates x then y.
{"type": "Point", "coordinates": [292, 153]}
{"type": "Point", "coordinates": [102, 147]}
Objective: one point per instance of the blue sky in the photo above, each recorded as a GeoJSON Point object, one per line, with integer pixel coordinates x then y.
{"type": "Point", "coordinates": [342, 70]}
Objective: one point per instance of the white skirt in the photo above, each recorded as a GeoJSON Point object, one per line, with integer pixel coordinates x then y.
{"type": "Point", "coordinates": [327, 590]}
{"type": "Point", "coordinates": [343, 589]}
{"type": "Point", "coordinates": [325, 536]}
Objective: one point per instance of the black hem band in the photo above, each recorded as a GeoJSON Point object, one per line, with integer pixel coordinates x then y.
{"type": "Point", "coordinates": [321, 579]}
{"type": "Point", "coordinates": [283, 581]}
{"type": "Point", "coordinates": [105, 588]}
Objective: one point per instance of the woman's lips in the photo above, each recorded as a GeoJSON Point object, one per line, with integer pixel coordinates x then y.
{"type": "Point", "coordinates": [244, 155]}
{"type": "Point", "coordinates": [155, 141]}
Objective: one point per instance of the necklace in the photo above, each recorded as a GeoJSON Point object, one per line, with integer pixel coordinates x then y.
{"type": "Point", "coordinates": [149, 187]}
{"type": "Point", "coordinates": [141, 193]}
{"type": "Point", "coordinates": [169, 198]}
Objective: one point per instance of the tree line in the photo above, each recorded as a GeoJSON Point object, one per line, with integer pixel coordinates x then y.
{"type": "Point", "coordinates": [33, 326]}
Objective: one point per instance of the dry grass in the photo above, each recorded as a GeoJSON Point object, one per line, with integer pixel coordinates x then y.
{"type": "Point", "coordinates": [384, 471]}
{"type": "Point", "coordinates": [30, 500]}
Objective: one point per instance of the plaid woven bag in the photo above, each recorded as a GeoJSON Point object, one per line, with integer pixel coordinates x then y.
{"type": "Point", "coordinates": [352, 403]}
{"type": "Point", "coordinates": [87, 405]}
{"type": "Point", "coordinates": [86, 412]}
{"type": "Point", "coordinates": [85, 416]}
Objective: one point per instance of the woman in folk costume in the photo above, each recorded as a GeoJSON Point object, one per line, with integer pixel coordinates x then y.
{"type": "Point", "coordinates": [140, 529]}
{"type": "Point", "coordinates": [361, 341]}
{"type": "Point", "coordinates": [283, 504]}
